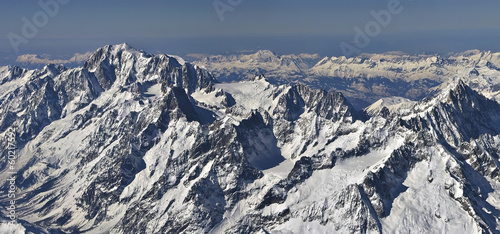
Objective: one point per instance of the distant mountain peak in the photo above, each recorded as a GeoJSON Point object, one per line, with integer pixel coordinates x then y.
{"type": "Point", "coordinates": [259, 77]}
{"type": "Point", "coordinates": [121, 47]}
{"type": "Point", "coordinates": [457, 90]}
{"type": "Point", "coordinates": [265, 53]}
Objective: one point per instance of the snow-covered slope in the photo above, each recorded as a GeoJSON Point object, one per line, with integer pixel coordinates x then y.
{"type": "Point", "coordinates": [140, 143]}
{"type": "Point", "coordinates": [395, 66]}
{"type": "Point", "coordinates": [393, 104]}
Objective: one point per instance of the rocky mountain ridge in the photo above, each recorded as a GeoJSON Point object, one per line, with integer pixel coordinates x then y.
{"type": "Point", "coordinates": [133, 142]}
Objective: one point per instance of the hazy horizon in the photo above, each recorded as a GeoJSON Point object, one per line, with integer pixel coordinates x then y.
{"type": "Point", "coordinates": [284, 27]}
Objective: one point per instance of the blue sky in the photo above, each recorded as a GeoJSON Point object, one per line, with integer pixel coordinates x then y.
{"type": "Point", "coordinates": [284, 26]}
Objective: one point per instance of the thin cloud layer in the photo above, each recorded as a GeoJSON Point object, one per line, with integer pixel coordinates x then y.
{"type": "Point", "coordinates": [36, 59]}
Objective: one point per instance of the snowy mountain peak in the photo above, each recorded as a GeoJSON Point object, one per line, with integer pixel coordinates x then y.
{"type": "Point", "coordinates": [260, 77]}
{"type": "Point", "coordinates": [116, 50]}
{"type": "Point", "coordinates": [462, 90]}
{"type": "Point", "coordinates": [122, 65]}
{"type": "Point", "coordinates": [459, 113]}
{"type": "Point", "coordinates": [459, 91]}
{"type": "Point", "coordinates": [125, 46]}
{"type": "Point", "coordinates": [112, 52]}
{"type": "Point", "coordinates": [392, 104]}
{"type": "Point", "coordinates": [265, 54]}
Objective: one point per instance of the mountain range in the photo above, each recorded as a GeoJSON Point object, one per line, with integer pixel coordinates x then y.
{"type": "Point", "coordinates": [132, 142]}
{"type": "Point", "coordinates": [366, 78]}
